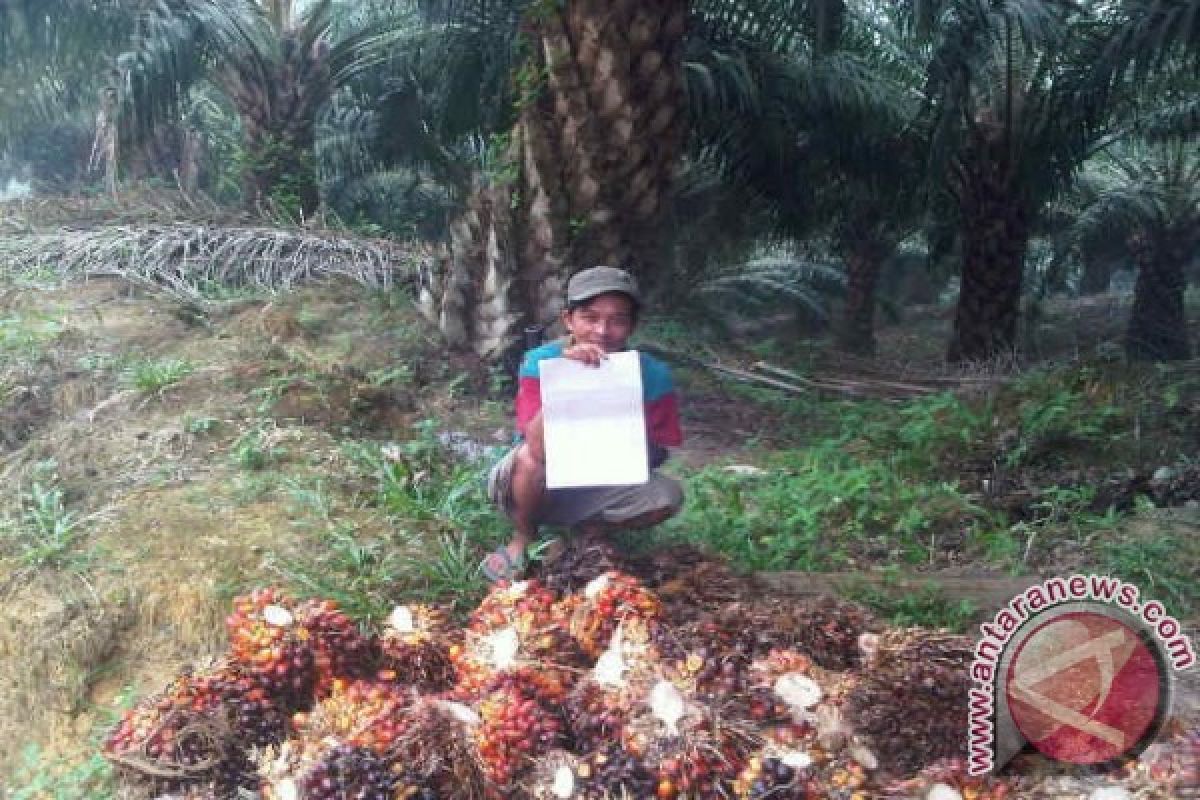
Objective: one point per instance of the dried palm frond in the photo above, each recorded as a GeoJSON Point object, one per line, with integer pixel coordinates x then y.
{"type": "Point", "coordinates": [185, 260]}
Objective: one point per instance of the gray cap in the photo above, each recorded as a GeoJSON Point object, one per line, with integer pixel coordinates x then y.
{"type": "Point", "coordinates": [595, 281]}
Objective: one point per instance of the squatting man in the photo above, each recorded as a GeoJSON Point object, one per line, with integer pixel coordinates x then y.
{"type": "Point", "coordinates": [602, 309]}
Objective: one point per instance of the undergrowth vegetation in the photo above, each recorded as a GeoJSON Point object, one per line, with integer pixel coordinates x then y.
{"type": "Point", "coordinates": [437, 523]}
{"type": "Point", "coordinates": [1014, 478]}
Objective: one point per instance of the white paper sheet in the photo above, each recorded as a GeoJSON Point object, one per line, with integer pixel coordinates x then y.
{"type": "Point", "coordinates": [594, 428]}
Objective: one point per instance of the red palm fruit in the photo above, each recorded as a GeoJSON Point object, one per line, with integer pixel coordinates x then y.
{"type": "Point", "coordinates": [339, 649]}
{"type": "Point", "coordinates": [514, 728]}
{"type": "Point", "coordinates": [415, 648]}
{"type": "Point", "coordinates": [606, 602]}
{"type": "Point", "coordinates": [265, 638]}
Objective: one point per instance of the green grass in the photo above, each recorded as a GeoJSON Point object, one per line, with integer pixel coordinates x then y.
{"type": "Point", "coordinates": [24, 338]}
{"type": "Point", "coordinates": [154, 376]}
{"type": "Point", "coordinates": [43, 532]}
{"type": "Point", "coordinates": [254, 451]}
{"type": "Point", "coordinates": [820, 508]}
{"type": "Point", "coordinates": [927, 607]}
{"type": "Point", "coordinates": [1162, 566]}
{"type": "Point", "coordinates": [42, 777]}
{"type": "Point", "coordinates": [434, 525]}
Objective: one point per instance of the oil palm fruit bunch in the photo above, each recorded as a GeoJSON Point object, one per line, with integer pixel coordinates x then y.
{"type": "Point", "coordinates": [199, 729]}
{"type": "Point", "coordinates": [794, 763]}
{"type": "Point", "coordinates": [339, 649]}
{"type": "Point", "coordinates": [780, 776]}
{"type": "Point", "coordinates": [702, 631]}
{"type": "Point", "coordinates": [947, 779]}
{"type": "Point", "coordinates": [1172, 762]}
{"type": "Point", "coordinates": [606, 602]}
{"type": "Point", "coordinates": [717, 677]}
{"type": "Point", "coordinates": [265, 638]}
{"type": "Point", "coordinates": [610, 771]}
{"type": "Point", "coordinates": [363, 713]}
{"type": "Point", "coordinates": [686, 576]}
{"type": "Point", "coordinates": [771, 697]}
{"type": "Point", "coordinates": [415, 648]}
{"type": "Point", "coordinates": [332, 769]}
{"type": "Point", "coordinates": [693, 587]}
{"type": "Point", "coordinates": [827, 630]}
{"type": "Point", "coordinates": [532, 650]}
{"type": "Point", "coordinates": [439, 752]}
{"type": "Point", "coordinates": [690, 750]}
{"type": "Point", "coordinates": [348, 771]}
{"type": "Point", "coordinates": [509, 601]}
{"type": "Point", "coordinates": [603, 701]}
{"type": "Point", "coordinates": [911, 703]}
{"type": "Point", "coordinates": [555, 776]}
{"type": "Point", "coordinates": [602, 774]}
{"type": "Point", "coordinates": [514, 728]}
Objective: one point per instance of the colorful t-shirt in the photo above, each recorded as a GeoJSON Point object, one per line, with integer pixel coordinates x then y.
{"type": "Point", "coordinates": [660, 403]}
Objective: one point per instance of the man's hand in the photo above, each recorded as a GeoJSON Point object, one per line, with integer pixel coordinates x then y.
{"type": "Point", "coordinates": [590, 354]}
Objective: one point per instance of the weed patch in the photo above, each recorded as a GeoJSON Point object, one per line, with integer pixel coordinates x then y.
{"type": "Point", "coordinates": [23, 338]}
{"type": "Point", "coordinates": [44, 531]}
{"type": "Point", "coordinates": [821, 509]}
{"type": "Point", "coordinates": [1059, 413]}
{"type": "Point", "coordinates": [44, 777]}
{"type": "Point", "coordinates": [154, 376]}
{"type": "Point", "coordinates": [926, 607]}
{"type": "Point", "coordinates": [1162, 564]}
{"type": "Point", "coordinates": [434, 525]}
{"type": "Point", "coordinates": [40, 777]}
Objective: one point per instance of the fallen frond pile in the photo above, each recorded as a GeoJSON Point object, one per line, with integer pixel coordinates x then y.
{"type": "Point", "coordinates": [191, 261]}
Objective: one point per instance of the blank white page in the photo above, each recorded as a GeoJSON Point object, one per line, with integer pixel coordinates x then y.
{"type": "Point", "coordinates": [595, 429]}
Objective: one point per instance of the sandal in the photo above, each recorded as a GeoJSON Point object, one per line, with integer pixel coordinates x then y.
{"type": "Point", "coordinates": [511, 569]}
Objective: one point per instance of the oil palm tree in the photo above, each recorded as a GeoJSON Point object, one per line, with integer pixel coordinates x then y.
{"type": "Point", "coordinates": [580, 174]}
{"type": "Point", "coordinates": [55, 64]}
{"type": "Point", "coordinates": [809, 112]}
{"type": "Point", "coordinates": [873, 151]}
{"type": "Point", "coordinates": [273, 62]}
{"type": "Point", "coordinates": [1151, 202]}
{"type": "Point", "coordinates": [1011, 119]}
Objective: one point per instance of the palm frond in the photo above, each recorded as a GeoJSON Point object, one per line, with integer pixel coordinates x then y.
{"type": "Point", "coordinates": [766, 280]}
{"type": "Point", "coordinates": [177, 43]}
{"type": "Point", "coordinates": [1147, 34]}
{"type": "Point", "coordinates": [188, 261]}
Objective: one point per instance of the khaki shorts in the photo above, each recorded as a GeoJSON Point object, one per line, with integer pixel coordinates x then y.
{"type": "Point", "coordinates": [567, 507]}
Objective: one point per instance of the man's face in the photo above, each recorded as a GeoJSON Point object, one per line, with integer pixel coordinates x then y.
{"type": "Point", "coordinates": [607, 321]}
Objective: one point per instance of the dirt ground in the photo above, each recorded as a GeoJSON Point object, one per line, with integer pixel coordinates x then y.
{"type": "Point", "coordinates": [172, 526]}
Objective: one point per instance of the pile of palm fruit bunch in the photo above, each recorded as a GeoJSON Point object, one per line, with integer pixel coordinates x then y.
{"type": "Point", "coordinates": [667, 678]}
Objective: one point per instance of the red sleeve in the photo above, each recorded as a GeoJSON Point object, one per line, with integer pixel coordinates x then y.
{"type": "Point", "coordinates": [529, 401]}
{"type": "Point", "coordinates": [662, 421]}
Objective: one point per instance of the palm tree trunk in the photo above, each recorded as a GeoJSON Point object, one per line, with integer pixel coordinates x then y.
{"type": "Point", "coordinates": [994, 231]}
{"type": "Point", "coordinates": [989, 296]}
{"type": "Point", "coordinates": [1158, 324]}
{"type": "Point", "coordinates": [864, 259]}
{"type": "Point", "coordinates": [1097, 273]}
{"type": "Point", "coordinates": [280, 168]}
{"type": "Point", "coordinates": [595, 145]}
{"type": "Point", "coordinates": [277, 104]}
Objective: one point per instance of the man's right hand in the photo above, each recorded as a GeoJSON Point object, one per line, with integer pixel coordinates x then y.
{"type": "Point", "coordinates": [590, 354]}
